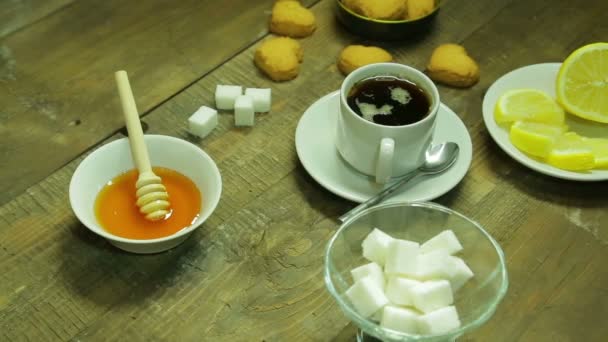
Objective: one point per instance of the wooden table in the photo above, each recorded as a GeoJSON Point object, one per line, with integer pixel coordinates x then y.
{"type": "Point", "coordinates": [253, 271]}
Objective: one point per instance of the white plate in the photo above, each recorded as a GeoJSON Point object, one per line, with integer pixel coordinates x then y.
{"type": "Point", "coordinates": [542, 77]}
{"type": "Point", "coordinates": [315, 146]}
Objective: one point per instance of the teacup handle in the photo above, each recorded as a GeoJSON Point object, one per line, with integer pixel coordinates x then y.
{"type": "Point", "coordinates": [384, 166]}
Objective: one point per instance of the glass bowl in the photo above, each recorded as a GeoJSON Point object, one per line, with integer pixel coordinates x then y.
{"type": "Point", "coordinates": [476, 302]}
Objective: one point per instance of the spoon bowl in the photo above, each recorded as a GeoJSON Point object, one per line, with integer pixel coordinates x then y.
{"type": "Point", "coordinates": [440, 157]}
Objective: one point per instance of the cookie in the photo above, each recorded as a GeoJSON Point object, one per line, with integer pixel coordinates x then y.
{"type": "Point", "coordinates": [376, 9]}
{"type": "Point", "coordinates": [355, 56]}
{"type": "Point", "coordinates": [290, 18]}
{"type": "Point", "coordinates": [419, 8]}
{"type": "Point", "coordinates": [279, 58]}
{"type": "Point", "coordinates": [353, 5]}
{"type": "Point", "coordinates": [451, 65]}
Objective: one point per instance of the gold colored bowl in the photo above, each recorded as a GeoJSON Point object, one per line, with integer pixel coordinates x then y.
{"type": "Point", "coordinates": [385, 29]}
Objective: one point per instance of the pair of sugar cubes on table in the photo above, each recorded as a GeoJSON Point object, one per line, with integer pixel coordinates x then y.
{"type": "Point", "coordinates": [245, 105]}
{"type": "Point", "coordinates": [204, 120]}
{"type": "Point", "coordinates": [409, 287]}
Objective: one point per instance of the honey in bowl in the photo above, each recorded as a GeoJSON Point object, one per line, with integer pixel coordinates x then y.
{"type": "Point", "coordinates": [117, 212]}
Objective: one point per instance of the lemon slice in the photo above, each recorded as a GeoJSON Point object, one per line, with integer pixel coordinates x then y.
{"type": "Point", "coordinates": [535, 138]}
{"type": "Point", "coordinates": [599, 147]}
{"type": "Point", "coordinates": [529, 105]}
{"type": "Point", "coordinates": [582, 83]}
{"type": "Point", "coordinates": [571, 152]}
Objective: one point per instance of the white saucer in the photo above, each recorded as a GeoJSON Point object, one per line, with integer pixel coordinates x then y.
{"type": "Point", "coordinates": [542, 77]}
{"type": "Point", "coordinates": [317, 152]}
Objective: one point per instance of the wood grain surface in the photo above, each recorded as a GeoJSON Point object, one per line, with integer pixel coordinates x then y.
{"type": "Point", "coordinates": [253, 271]}
{"type": "Point", "coordinates": [57, 90]}
{"type": "Point", "coordinates": [17, 14]}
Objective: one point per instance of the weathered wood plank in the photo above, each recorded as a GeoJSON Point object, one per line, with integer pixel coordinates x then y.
{"type": "Point", "coordinates": [16, 14]}
{"type": "Point", "coordinates": [56, 77]}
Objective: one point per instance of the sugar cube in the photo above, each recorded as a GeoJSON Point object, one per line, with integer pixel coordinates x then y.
{"type": "Point", "coordinates": [457, 272]}
{"type": "Point", "coordinates": [400, 319]}
{"type": "Point", "coordinates": [377, 317]}
{"type": "Point", "coordinates": [432, 265]}
{"type": "Point", "coordinates": [202, 122]}
{"type": "Point", "coordinates": [401, 258]}
{"type": "Point", "coordinates": [373, 270]}
{"type": "Point", "coordinates": [399, 290]}
{"type": "Point", "coordinates": [375, 246]}
{"type": "Point", "coordinates": [446, 240]}
{"type": "Point", "coordinates": [243, 111]}
{"type": "Point", "coordinates": [439, 321]}
{"type": "Point", "coordinates": [225, 96]}
{"type": "Point", "coordinates": [262, 98]}
{"type": "Point", "coordinates": [432, 295]}
{"type": "Point", "coordinates": [366, 296]}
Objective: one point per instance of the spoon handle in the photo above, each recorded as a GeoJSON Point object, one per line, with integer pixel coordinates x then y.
{"type": "Point", "coordinates": [379, 197]}
{"type": "Point", "coordinates": [136, 134]}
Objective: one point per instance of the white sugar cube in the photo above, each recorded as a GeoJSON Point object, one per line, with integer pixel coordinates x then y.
{"type": "Point", "coordinates": [446, 240]}
{"type": "Point", "coordinates": [373, 270]}
{"type": "Point", "coordinates": [366, 296]}
{"type": "Point", "coordinates": [243, 111]}
{"type": "Point", "coordinates": [262, 98]}
{"type": "Point", "coordinates": [400, 319]}
{"type": "Point", "coordinates": [202, 122]}
{"type": "Point", "coordinates": [439, 321]}
{"type": "Point", "coordinates": [457, 272]}
{"type": "Point", "coordinates": [375, 246]}
{"type": "Point", "coordinates": [432, 295]}
{"type": "Point", "coordinates": [401, 258]}
{"type": "Point", "coordinates": [377, 317]}
{"type": "Point", "coordinates": [399, 290]}
{"type": "Point", "coordinates": [432, 265]}
{"type": "Point", "coordinates": [225, 96]}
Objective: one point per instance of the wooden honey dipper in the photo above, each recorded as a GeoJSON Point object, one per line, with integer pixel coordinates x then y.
{"type": "Point", "coordinates": [152, 196]}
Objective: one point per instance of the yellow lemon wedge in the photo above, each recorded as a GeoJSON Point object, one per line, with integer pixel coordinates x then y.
{"type": "Point", "coordinates": [535, 138]}
{"type": "Point", "coordinates": [571, 152]}
{"type": "Point", "coordinates": [582, 83]}
{"type": "Point", "coordinates": [599, 147]}
{"type": "Point", "coordinates": [529, 105]}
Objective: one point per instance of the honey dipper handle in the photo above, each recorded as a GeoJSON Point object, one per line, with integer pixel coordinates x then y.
{"type": "Point", "coordinates": [136, 134]}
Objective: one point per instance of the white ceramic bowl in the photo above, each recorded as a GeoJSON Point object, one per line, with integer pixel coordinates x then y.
{"type": "Point", "coordinates": [114, 158]}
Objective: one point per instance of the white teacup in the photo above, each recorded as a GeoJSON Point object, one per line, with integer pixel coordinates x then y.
{"type": "Point", "coordinates": [385, 151]}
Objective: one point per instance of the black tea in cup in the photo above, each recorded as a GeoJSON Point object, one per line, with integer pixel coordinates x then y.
{"type": "Point", "coordinates": [389, 101]}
